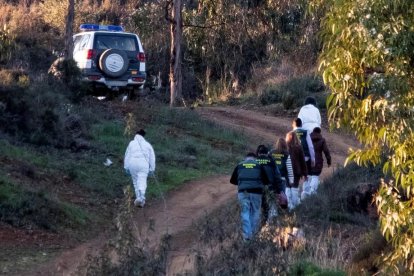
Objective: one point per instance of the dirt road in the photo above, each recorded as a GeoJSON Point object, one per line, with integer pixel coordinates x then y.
{"type": "Point", "coordinates": [175, 214]}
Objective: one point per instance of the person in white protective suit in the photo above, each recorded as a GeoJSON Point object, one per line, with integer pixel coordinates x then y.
{"type": "Point", "coordinates": [139, 161]}
{"type": "Point", "coordinates": [310, 115]}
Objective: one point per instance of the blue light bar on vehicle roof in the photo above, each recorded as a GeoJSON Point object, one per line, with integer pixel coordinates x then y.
{"type": "Point", "coordinates": [96, 27]}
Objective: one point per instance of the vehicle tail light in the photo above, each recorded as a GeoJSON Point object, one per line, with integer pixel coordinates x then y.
{"type": "Point", "coordinates": [141, 57]}
{"type": "Point", "coordinates": [90, 54]}
{"type": "Point", "coordinates": [94, 77]}
{"type": "Point", "coordinates": [138, 79]}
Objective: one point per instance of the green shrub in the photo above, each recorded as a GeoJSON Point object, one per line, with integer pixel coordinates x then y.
{"type": "Point", "coordinates": [66, 71]}
{"type": "Point", "coordinates": [292, 93]}
{"type": "Point", "coordinates": [331, 201]}
{"type": "Point", "coordinates": [290, 100]}
{"type": "Point", "coordinates": [38, 114]}
{"type": "Point", "coordinates": [309, 269]}
{"type": "Point", "coordinates": [272, 94]}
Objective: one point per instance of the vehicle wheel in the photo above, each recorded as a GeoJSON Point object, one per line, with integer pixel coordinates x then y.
{"type": "Point", "coordinates": [113, 62]}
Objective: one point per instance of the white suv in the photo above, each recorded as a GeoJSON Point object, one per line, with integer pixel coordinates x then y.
{"type": "Point", "coordinates": [108, 56]}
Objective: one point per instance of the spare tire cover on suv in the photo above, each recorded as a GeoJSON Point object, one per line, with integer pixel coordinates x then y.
{"type": "Point", "coordinates": [113, 62]}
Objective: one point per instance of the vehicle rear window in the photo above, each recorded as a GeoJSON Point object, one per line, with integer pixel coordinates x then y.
{"type": "Point", "coordinates": [119, 42]}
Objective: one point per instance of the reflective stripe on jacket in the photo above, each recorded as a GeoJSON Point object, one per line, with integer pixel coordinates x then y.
{"type": "Point", "coordinates": [280, 161]}
{"type": "Point", "coordinates": [301, 134]}
{"type": "Point", "coordinates": [272, 172]}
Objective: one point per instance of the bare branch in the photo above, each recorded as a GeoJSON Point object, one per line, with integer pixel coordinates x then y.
{"type": "Point", "coordinates": [205, 26]}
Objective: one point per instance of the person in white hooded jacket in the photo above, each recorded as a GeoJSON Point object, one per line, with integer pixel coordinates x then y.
{"type": "Point", "coordinates": [139, 161]}
{"type": "Point", "coordinates": [310, 115]}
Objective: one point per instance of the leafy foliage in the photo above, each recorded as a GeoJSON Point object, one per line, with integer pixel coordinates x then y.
{"type": "Point", "coordinates": [255, 32]}
{"type": "Point", "coordinates": [40, 114]}
{"type": "Point", "coordinates": [223, 39]}
{"type": "Point", "coordinates": [367, 61]}
{"type": "Point", "coordinates": [32, 39]}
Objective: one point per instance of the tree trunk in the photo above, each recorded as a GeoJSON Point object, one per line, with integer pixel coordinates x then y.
{"type": "Point", "coordinates": [69, 30]}
{"type": "Point", "coordinates": [175, 58]}
{"type": "Point", "coordinates": [207, 87]}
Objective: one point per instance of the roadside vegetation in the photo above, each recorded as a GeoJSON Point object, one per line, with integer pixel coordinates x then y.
{"type": "Point", "coordinates": [326, 235]}
{"type": "Point", "coordinates": [54, 180]}
{"type": "Point", "coordinates": [55, 139]}
{"type": "Point", "coordinates": [284, 95]}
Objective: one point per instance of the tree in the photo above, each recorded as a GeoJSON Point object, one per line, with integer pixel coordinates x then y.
{"type": "Point", "coordinates": [176, 31]}
{"type": "Point", "coordinates": [368, 62]}
{"type": "Point", "coordinates": [226, 39]}
{"type": "Point", "coordinates": [69, 29]}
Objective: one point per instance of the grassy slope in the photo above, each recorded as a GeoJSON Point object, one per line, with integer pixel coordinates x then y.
{"type": "Point", "coordinates": [72, 193]}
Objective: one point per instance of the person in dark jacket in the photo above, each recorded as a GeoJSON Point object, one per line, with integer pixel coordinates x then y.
{"type": "Point", "coordinates": [299, 169]}
{"type": "Point", "coordinates": [306, 142]}
{"type": "Point", "coordinates": [250, 177]}
{"type": "Point", "coordinates": [307, 146]}
{"type": "Point", "coordinates": [320, 145]}
{"type": "Point", "coordinates": [274, 188]}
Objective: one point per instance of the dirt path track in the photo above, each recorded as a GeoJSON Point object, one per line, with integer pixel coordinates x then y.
{"type": "Point", "coordinates": [176, 214]}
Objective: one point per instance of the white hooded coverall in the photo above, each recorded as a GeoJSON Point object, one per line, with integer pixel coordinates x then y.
{"type": "Point", "coordinates": [139, 160]}
{"type": "Point", "coordinates": [310, 116]}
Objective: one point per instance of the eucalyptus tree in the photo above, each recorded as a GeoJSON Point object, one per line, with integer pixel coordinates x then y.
{"type": "Point", "coordinates": [174, 16]}
{"type": "Point", "coordinates": [221, 40]}
{"type": "Point", "coordinates": [225, 38]}
{"type": "Point", "coordinates": [368, 62]}
{"type": "Point", "coordinates": [69, 29]}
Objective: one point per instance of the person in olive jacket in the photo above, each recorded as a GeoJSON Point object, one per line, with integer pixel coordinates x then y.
{"type": "Point", "coordinates": [274, 188]}
{"type": "Point", "coordinates": [250, 177]}
{"type": "Point", "coordinates": [320, 145]}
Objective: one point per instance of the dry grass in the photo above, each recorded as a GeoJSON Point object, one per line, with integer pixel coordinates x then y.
{"type": "Point", "coordinates": [275, 73]}
{"type": "Point", "coordinates": [295, 242]}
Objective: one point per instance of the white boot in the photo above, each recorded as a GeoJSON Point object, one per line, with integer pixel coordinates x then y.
{"type": "Point", "coordinates": [307, 189]}
{"type": "Point", "coordinates": [288, 193]}
{"type": "Point", "coordinates": [314, 184]}
{"type": "Point", "coordinates": [140, 198]}
{"type": "Point", "coordinates": [295, 197]}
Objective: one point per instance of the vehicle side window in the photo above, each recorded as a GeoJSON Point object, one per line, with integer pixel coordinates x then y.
{"type": "Point", "coordinates": [76, 43]}
{"type": "Point", "coordinates": [84, 42]}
